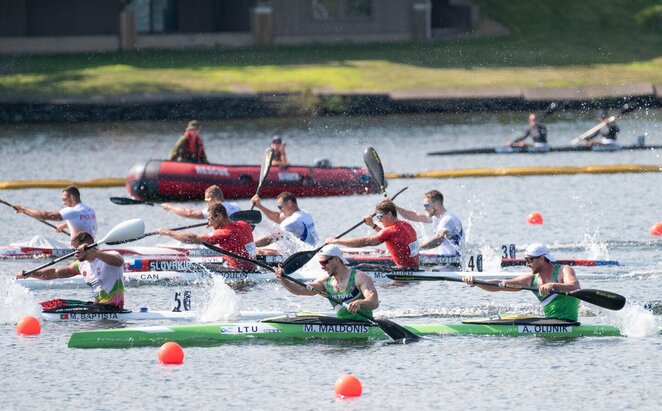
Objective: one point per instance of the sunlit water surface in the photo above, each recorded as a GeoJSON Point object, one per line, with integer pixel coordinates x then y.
{"type": "Point", "coordinates": [585, 216]}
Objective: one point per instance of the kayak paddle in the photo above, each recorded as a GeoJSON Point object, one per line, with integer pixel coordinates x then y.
{"type": "Point", "coordinates": [393, 330]}
{"type": "Point", "coordinates": [45, 222]}
{"type": "Point", "coordinates": [120, 233]}
{"type": "Point", "coordinates": [374, 165]}
{"type": "Point", "coordinates": [626, 109]}
{"type": "Point", "coordinates": [604, 299]}
{"type": "Point", "coordinates": [129, 201]}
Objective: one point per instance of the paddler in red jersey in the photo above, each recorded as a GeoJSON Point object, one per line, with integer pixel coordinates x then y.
{"type": "Point", "coordinates": [399, 236]}
{"type": "Point", "coordinates": [234, 236]}
{"type": "Point", "coordinates": [189, 147]}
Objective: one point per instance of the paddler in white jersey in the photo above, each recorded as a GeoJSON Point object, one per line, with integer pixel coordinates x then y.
{"type": "Point", "coordinates": [103, 271]}
{"type": "Point", "coordinates": [448, 235]}
{"type": "Point", "coordinates": [213, 194]}
{"type": "Point", "coordinates": [291, 219]}
{"type": "Point", "coordinates": [78, 217]}
{"type": "Point", "coordinates": [347, 285]}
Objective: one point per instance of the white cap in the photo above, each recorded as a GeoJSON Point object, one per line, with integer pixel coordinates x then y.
{"type": "Point", "coordinates": [331, 250]}
{"type": "Point", "coordinates": [537, 249]}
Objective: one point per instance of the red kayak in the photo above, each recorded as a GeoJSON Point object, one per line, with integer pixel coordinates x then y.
{"type": "Point", "coordinates": [160, 180]}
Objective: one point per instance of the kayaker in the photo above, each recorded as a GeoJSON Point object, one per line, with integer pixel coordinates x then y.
{"type": "Point", "coordinates": [77, 217]}
{"type": "Point", "coordinates": [290, 218]}
{"type": "Point", "coordinates": [213, 194]}
{"type": "Point", "coordinates": [234, 236]}
{"type": "Point", "coordinates": [399, 236]}
{"type": "Point", "coordinates": [103, 272]}
{"type": "Point", "coordinates": [536, 131]}
{"type": "Point", "coordinates": [279, 158]}
{"type": "Point", "coordinates": [547, 276]}
{"type": "Point", "coordinates": [448, 235]}
{"type": "Point", "coordinates": [606, 136]}
{"type": "Point", "coordinates": [347, 285]}
{"type": "Point", "coordinates": [189, 147]}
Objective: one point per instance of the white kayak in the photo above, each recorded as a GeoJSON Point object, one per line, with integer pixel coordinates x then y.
{"type": "Point", "coordinates": [144, 314]}
{"type": "Point", "coordinates": [133, 279]}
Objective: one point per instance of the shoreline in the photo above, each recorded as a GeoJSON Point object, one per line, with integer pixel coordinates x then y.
{"type": "Point", "coordinates": [318, 103]}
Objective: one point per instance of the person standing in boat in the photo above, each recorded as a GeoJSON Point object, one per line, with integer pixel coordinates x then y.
{"type": "Point", "coordinates": [234, 236]}
{"type": "Point", "coordinates": [77, 217]}
{"type": "Point", "coordinates": [605, 136]}
{"type": "Point", "coordinates": [547, 276]}
{"type": "Point", "coordinates": [448, 236]}
{"type": "Point", "coordinates": [290, 218]}
{"type": "Point", "coordinates": [103, 272]}
{"type": "Point", "coordinates": [347, 285]}
{"type": "Point", "coordinates": [536, 131]}
{"type": "Point", "coordinates": [279, 158]}
{"type": "Point", "coordinates": [399, 236]}
{"type": "Point", "coordinates": [189, 147]}
{"type": "Point", "coordinates": [213, 194]}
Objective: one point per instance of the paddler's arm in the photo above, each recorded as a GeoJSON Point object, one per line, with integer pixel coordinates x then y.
{"type": "Point", "coordinates": [177, 149]}
{"type": "Point", "coordinates": [567, 282]}
{"type": "Point", "coordinates": [523, 280]}
{"type": "Point", "coordinates": [49, 273]}
{"type": "Point", "coordinates": [367, 287]}
{"type": "Point", "coordinates": [355, 242]}
{"type": "Point", "coordinates": [265, 241]}
{"type": "Point", "coordinates": [113, 259]}
{"type": "Point", "coordinates": [435, 241]}
{"type": "Point", "coordinates": [295, 288]}
{"type": "Point", "coordinates": [188, 238]}
{"type": "Point", "coordinates": [413, 216]}
{"type": "Point", "coordinates": [38, 214]}
{"type": "Point", "coordinates": [520, 138]}
{"type": "Point", "coordinates": [274, 216]}
{"type": "Point", "coordinates": [183, 212]}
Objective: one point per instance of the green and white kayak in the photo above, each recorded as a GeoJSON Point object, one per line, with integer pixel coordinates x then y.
{"type": "Point", "coordinates": [308, 327]}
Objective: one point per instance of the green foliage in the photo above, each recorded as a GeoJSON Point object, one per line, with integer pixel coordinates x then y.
{"type": "Point", "coordinates": [650, 18]}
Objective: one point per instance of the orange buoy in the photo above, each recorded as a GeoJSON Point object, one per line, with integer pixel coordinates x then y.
{"type": "Point", "coordinates": [656, 230]}
{"type": "Point", "coordinates": [535, 218]}
{"type": "Point", "coordinates": [28, 325]}
{"type": "Point", "coordinates": [171, 353]}
{"type": "Point", "coordinates": [348, 386]}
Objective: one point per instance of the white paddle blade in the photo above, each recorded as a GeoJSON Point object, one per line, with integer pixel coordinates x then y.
{"type": "Point", "coordinates": [127, 230]}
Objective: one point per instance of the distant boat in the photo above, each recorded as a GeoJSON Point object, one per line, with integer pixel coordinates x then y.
{"type": "Point", "coordinates": [160, 180]}
{"type": "Point", "coordinates": [535, 150]}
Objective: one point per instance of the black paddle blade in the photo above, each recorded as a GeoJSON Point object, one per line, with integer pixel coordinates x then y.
{"type": "Point", "coordinates": [396, 332]}
{"type": "Point", "coordinates": [374, 164]}
{"type": "Point", "coordinates": [128, 201]}
{"type": "Point", "coordinates": [249, 216]}
{"type": "Point", "coordinates": [627, 108]}
{"type": "Point", "coordinates": [298, 260]}
{"type": "Point", "coordinates": [602, 298]}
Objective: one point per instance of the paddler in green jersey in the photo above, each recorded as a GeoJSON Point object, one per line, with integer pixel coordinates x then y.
{"type": "Point", "coordinates": [354, 288]}
{"type": "Point", "coordinates": [547, 276]}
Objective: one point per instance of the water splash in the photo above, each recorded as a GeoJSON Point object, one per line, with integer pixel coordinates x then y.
{"type": "Point", "coordinates": [218, 302]}
{"type": "Point", "coordinates": [596, 250]}
{"type": "Point", "coordinates": [16, 302]}
{"type": "Point", "coordinates": [635, 321]}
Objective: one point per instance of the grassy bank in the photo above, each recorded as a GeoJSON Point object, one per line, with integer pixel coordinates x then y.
{"type": "Point", "coordinates": [554, 43]}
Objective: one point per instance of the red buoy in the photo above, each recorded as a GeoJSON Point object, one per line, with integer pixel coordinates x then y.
{"type": "Point", "coordinates": [28, 325]}
{"type": "Point", "coordinates": [535, 218]}
{"type": "Point", "coordinates": [656, 230]}
{"type": "Point", "coordinates": [348, 386]}
{"type": "Point", "coordinates": [171, 353]}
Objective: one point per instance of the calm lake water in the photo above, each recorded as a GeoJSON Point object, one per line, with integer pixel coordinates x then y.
{"type": "Point", "coordinates": [586, 216]}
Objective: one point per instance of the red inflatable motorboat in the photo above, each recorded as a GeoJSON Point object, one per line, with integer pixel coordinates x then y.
{"type": "Point", "coordinates": [160, 180]}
